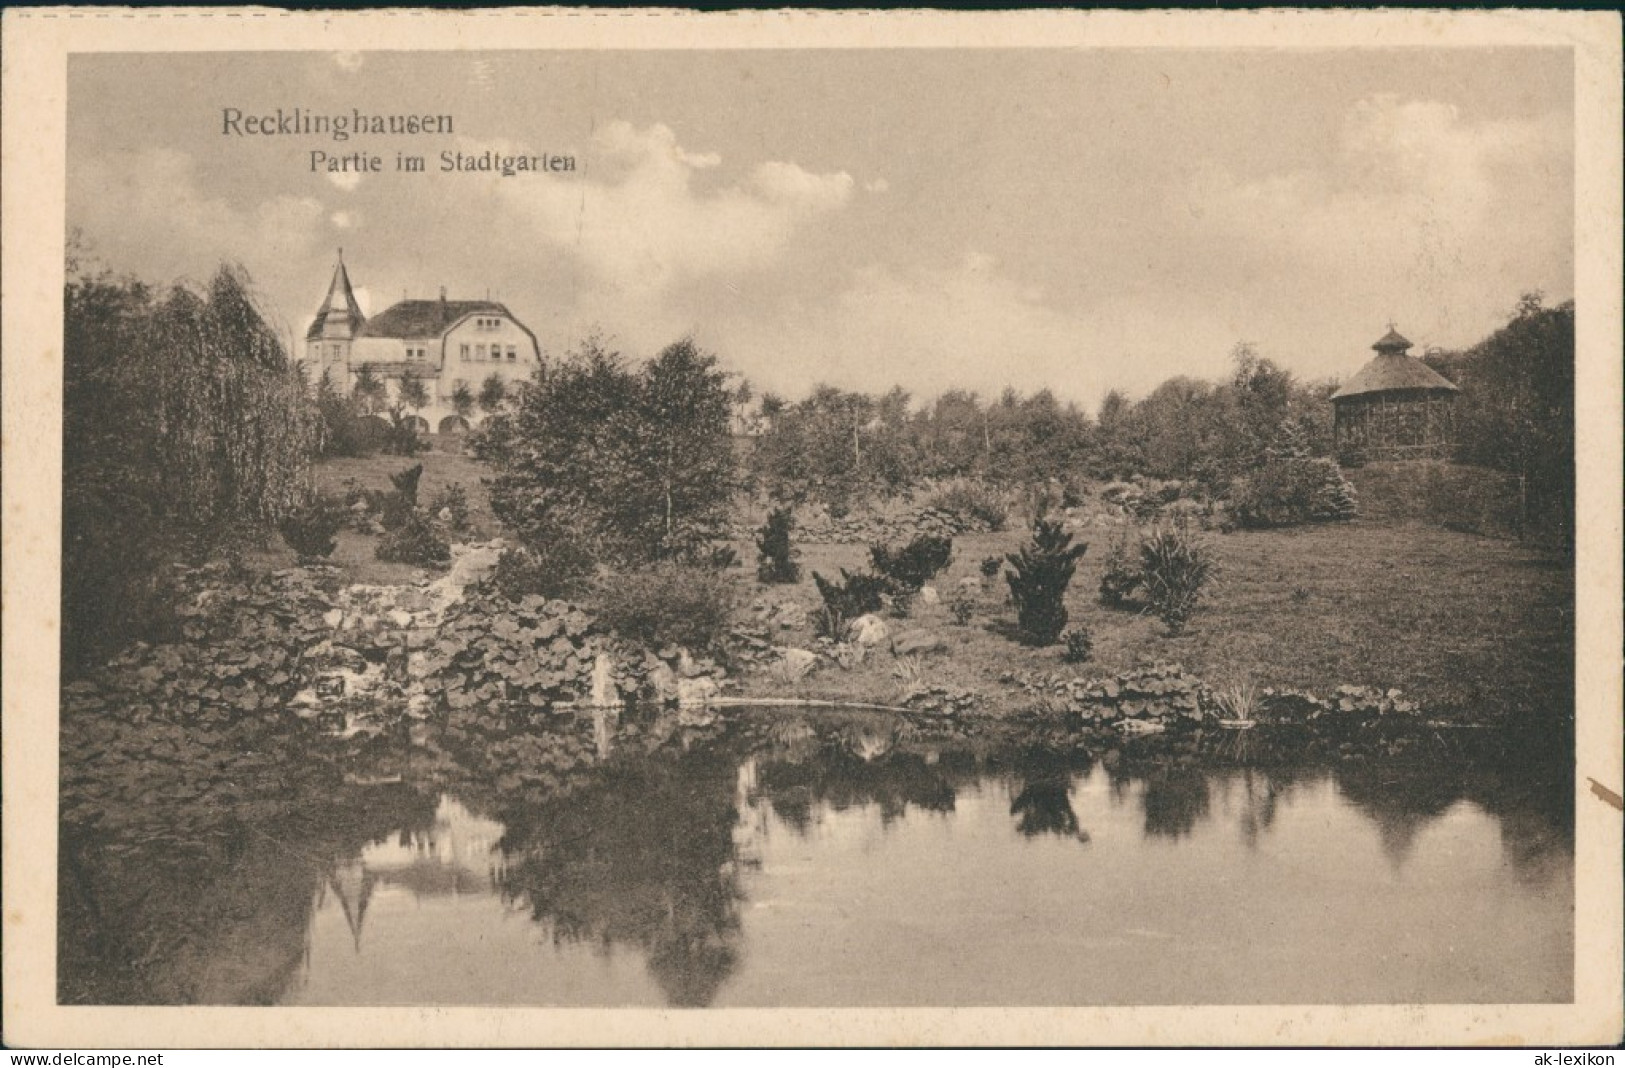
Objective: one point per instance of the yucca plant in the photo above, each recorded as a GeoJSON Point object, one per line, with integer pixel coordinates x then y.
{"type": "Point", "coordinates": [1043, 570]}
{"type": "Point", "coordinates": [1174, 567]}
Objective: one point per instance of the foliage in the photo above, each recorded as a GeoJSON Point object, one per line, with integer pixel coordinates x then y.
{"type": "Point", "coordinates": [638, 460]}
{"type": "Point", "coordinates": [962, 606]}
{"type": "Point", "coordinates": [1120, 581]}
{"type": "Point", "coordinates": [668, 604]}
{"type": "Point", "coordinates": [406, 483]}
{"type": "Point", "coordinates": [1174, 568]}
{"type": "Point", "coordinates": [185, 426]}
{"type": "Point", "coordinates": [776, 557]}
{"type": "Point", "coordinates": [557, 569]}
{"type": "Point", "coordinates": [1042, 571]}
{"type": "Point", "coordinates": [369, 391]}
{"type": "Point", "coordinates": [911, 567]}
{"type": "Point", "coordinates": [1289, 490]}
{"type": "Point", "coordinates": [1516, 409]}
{"type": "Point", "coordinates": [975, 503]}
{"type": "Point", "coordinates": [309, 529]}
{"type": "Point", "coordinates": [462, 399]}
{"type": "Point", "coordinates": [493, 394]}
{"type": "Point", "coordinates": [991, 566]}
{"type": "Point", "coordinates": [1079, 642]}
{"type": "Point", "coordinates": [411, 392]}
{"type": "Point", "coordinates": [413, 541]}
{"type": "Point", "coordinates": [451, 506]}
{"type": "Point", "coordinates": [853, 596]}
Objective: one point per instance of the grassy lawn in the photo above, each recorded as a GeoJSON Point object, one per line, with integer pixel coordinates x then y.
{"type": "Point", "coordinates": [1471, 624]}
{"type": "Point", "coordinates": [1474, 625]}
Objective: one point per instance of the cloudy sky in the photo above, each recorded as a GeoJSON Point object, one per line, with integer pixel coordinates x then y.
{"type": "Point", "coordinates": [1075, 219]}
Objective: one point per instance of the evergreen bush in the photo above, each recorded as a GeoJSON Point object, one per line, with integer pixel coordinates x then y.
{"type": "Point", "coordinates": [1043, 570]}
{"type": "Point", "coordinates": [855, 595]}
{"type": "Point", "coordinates": [911, 567]}
{"type": "Point", "coordinates": [776, 561]}
{"type": "Point", "coordinates": [413, 541]}
{"type": "Point", "coordinates": [1121, 580]}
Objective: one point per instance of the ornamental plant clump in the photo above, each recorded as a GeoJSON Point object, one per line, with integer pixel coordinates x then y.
{"type": "Point", "coordinates": [1174, 568]}
{"type": "Point", "coordinates": [854, 596]}
{"type": "Point", "coordinates": [1122, 581]}
{"type": "Point", "coordinates": [911, 567]}
{"type": "Point", "coordinates": [1043, 570]}
{"type": "Point", "coordinates": [1080, 644]}
{"type": "Point", "coordinates": [311, 530]}
{"type": "Point", "coordinates": [414, 541]}
{"type": "Point", "coordinates": [776, 559]}
{"type": "Point", "coordinates": [667, 604]}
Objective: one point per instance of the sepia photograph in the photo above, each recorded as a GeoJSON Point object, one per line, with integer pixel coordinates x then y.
{"type": "Point", "coordinates": [962, 526]}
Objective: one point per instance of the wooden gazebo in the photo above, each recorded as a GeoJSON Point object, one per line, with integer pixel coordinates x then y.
{"type": "Point", "coordinates": [1395, 408]}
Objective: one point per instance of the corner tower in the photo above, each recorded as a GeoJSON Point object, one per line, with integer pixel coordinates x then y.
{"type": "Point", "coordinates": [338, 322]}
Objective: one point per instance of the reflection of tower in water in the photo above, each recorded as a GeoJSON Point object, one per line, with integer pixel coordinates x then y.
{"type": "Point", "coordinates": [456, 856]}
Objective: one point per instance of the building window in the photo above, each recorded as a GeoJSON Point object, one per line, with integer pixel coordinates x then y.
{"type": "Point", "coordinates": [479, 352]}
{"type": "Point", "coordinates": [465, 353]}
{"type": "Point", "coordinates": [512, 354]}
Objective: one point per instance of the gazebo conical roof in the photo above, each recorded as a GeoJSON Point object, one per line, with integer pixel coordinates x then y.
{"type": "Point", "coordinates": [1394, 370]}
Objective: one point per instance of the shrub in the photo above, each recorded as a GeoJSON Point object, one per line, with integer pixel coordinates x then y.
{"type": "Point", "coordinates": [413, 541]}
{"type": "Point", "coordinates": [1121, 580]}
{"type": "Point", "coordinates": [406, 483]}
{"type": "Point", "coordinates": [1043, 570]}
{"type": "Point", "coordinates": [450, 505]}
{"type": "Point", "coordinates": [962, 606]}
{"type": "Point", "coordinates": [310, 530]}
{"type": "Point", "coordinates": [909, 568]}
{"type": "Point", "coordinates": [556, 570]}
{"type": "Point", "coordinates": [976, 502]}
{"type": "Point", "coordinates": [1080, 644]}
{"type": "Point", "coordinates": [1174, 567]}
{"type": "Point", "coordinates": [776, 557]}
{"type": "Point", "coordinates": [844, 601]}
{"type": "Point", "coordinates": [668, 604]}
{"type": "Point", "coordinates": [991, 565]}
{"type": "Point", "coordinates": [719, 557]}
{"type": "Point", "coordinates": [1287, 489]}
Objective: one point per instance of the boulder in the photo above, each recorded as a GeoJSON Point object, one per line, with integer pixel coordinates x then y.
{"type": "Point", "coordinates": [919, 641]}
{"type": "Point", "coordinates": [692, 693]}
{"type": "Point", "coordinates": [929, 595]}
{"type": "Point", "coordinates": [869, 630]}
{"type": "Point", "coordinates": [791, 615]}
{"type": "Point", "coordinates": [796, 663]}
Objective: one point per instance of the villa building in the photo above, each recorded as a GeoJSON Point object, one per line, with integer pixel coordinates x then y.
{"type": "Point", "coordinates": [444, 343]}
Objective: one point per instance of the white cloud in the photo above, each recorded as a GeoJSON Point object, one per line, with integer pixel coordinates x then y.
{"type": "Point", "coordinates": [641, 222]}
{"type": "Point", "coordinates": [1421, 214]}
{"type": "Point", "coordinates": [345, 220]}
{"type": "Point", "coordinates": [345, 180]}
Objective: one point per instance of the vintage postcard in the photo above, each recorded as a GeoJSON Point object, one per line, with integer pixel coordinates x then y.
{"type": "Point", "coordinates": [627, 527]}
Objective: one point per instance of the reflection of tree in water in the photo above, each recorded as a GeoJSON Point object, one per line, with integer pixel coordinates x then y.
{"type": "Point", "coordinates": [1261, 794]}
{"type": "Point", "coordinates": [643, 857]}
{"type": "Point", "coordinates": [1401, 801]}
{"type": "Point", "coordinates": [1043, 804]}
{"type": "Point", "coordinates": [840, 779]}
{"type": "Point", "coordinates": [188, 871]}
{"type": "Point", "coordinates": [1174, 799]}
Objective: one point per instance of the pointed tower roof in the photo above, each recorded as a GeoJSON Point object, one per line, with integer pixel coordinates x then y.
{"type": "Point", "coordinates": [339, 307]}
{"type": "Point", "coordinates": [1394, 369]}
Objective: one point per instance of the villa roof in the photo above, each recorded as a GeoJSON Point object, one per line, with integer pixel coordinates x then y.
{"type": "Point", "coordinates": [427, 318]}
{"type": "Point", "coordinates": [340, 303]}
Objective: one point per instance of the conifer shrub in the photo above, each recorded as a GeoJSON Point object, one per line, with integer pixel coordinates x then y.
{"type": "Point", "coordinates": [911, 567]}
{"type": "Point", "coordinates": [450, 506]}
{"type": "Point", "coordinates": [311, 529]}
{"type": "Point", "coordinates": [1288, 486]}
{"type": "Point", "coordinates": [1042, 571]}
{"type": "Point", "coordinates": [1174, 569]}
{"type": "Point", "coordinates": [776, 556]}
{"type": "Point", "coordinates": [667, 604]}
{"type": "Point", "coordinates": [991, 566]}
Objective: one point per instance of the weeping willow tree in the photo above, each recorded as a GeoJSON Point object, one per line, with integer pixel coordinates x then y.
{"type": "Point", "coordinates": [185, 426]}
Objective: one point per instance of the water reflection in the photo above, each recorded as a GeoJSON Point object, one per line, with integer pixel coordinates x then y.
{"type": "Point", "coordinates": [714, 862]}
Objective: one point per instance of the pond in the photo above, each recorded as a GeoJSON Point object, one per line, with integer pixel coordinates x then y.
{"type": "Point", "coordinates": [805, 860]}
